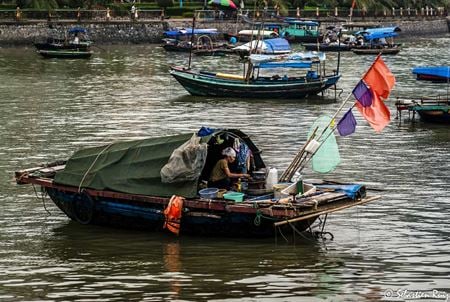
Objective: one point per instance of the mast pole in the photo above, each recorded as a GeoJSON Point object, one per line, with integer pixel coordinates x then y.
{"type": "Point", "coordinates": [192, 42]}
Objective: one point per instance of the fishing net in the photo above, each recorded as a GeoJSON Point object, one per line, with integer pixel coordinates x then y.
{"type": "Point", "coordinates": [327, 156]}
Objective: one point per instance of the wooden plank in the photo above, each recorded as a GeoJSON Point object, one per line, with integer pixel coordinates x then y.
{"type": "Point", "coordinates": [363, 201]}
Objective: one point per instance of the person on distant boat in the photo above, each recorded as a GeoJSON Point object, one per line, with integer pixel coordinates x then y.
{"type": "Point", "coordinates": [221, 175]}
{"type": "Point", "coordinates": [360, 41]}
{"type": "Point", "coordinates": [76, 39]}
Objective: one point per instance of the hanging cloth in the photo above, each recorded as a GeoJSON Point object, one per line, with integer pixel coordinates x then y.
{"type": "Point", "coordinates": [242, 157]}
{"type": "Point", "coordinates": [173, 213]}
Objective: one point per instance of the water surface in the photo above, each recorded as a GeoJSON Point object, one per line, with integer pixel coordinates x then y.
{"type": "Point", "coordinates": [50, 108]}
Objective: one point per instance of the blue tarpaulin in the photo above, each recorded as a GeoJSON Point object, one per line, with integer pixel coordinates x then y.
{"type": "Point", "coordinates": [286, 64]}
{"type": "Point", "coordinates": [352, 191]}
{"type": "Point", "coordinates": [277, 44]}
{"type": "Point", "coordinates": [435, 71]}
{"type": "Point", "coordinates": [379, 32]}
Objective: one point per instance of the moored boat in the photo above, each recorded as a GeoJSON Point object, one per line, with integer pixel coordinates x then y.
{"type": "Point", "coordinates": [373, 41]}
{"type": "Point", "coordinates": [74, 45]}
{"type": "Point", "coordinates": [257, 85]}
{"type": "Point", "coordinates": [430, 109]}
{"type": "Point", "coordinates": [75, 38]}
{"type": "Point", "coordinates": [204, 41]}
{"type": "Point", "coordinates": [125, 184]}
{"type": "Point", "coordinates": [66, 53]}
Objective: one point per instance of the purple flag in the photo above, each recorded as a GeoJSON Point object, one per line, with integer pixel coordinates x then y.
{"type": "Point", "coordinates": [363, 94]}
{"type": "Point", "coordinates": [347, 124]}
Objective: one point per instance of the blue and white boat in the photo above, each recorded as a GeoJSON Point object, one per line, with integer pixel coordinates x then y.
{"type": "Point", "coordinates": [376, 41]}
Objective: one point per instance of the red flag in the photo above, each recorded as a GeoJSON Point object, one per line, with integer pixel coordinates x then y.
{"type": "Point", "coordinates": [379, 78]}
{"type": "Point", "coordinates": [377, 114]}
{"type": "Point", "coordinates": [380, 81]}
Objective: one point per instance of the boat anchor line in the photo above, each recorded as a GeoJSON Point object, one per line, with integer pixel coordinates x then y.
{"type": "Point", "coordinates": [42, 198]}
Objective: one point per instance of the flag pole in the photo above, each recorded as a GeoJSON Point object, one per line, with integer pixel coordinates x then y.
{"type": "Point", "coordinates": [192, 42]}
{"type": "Point", "coordinates": [303, 157]}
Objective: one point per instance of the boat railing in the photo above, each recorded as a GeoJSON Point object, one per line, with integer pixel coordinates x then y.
{"type": "Point", "coordinates": [21, 14]}
{"type": "Point", "coordinates": [78, 15]}
{"type": "Point", "coordinates": [404, 103]}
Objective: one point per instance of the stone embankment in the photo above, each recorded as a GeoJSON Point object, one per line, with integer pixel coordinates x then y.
{"type": "Point", "coordinates": [122, 32]}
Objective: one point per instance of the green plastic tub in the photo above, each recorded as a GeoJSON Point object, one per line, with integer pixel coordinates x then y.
{"type": "Point", "coordinates": [236, 196]}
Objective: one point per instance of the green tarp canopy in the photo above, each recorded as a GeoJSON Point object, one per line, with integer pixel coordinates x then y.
{"type": "Point", "coordinates": [129, 167]}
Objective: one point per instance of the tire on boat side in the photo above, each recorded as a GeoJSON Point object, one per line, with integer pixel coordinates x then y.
{"type": "Point", "coordinates": [83, 208]}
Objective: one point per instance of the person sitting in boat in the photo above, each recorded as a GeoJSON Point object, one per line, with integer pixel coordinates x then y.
{"type": "Point", "coordinates": [76, 39]}
{"type": "Point", "coordinates": [360, 41]}
{"type": "Point", "coordinates": [221, 175]}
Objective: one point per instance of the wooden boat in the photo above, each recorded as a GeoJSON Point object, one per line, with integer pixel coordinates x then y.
{"type": "Point", "coordinates": [121, 185]}
{"type": "Point", "coordinates": [66, 54]}
{"type": "Point", "coordinates": [259, 86]}
{"type": "Point", "coordinates": [432, 73]}
{"type": "Point", "coordinates": [247, 35]}
{"type": "Point", "coordinates": [430, 109]}
{"type": "Point", "coordinates": [68, 42]}
{"type": "Point", "coordinates": [375, 41]}
{"type": "Point", "coordinates": [201, 41]}
{"type": "Point", "coordinates": [74, 45]}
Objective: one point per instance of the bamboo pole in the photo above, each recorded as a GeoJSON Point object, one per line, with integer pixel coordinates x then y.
{"type": "Point", "coordinates": [192, 42]}
{"type": "Point", "coordinates": [363, 201]}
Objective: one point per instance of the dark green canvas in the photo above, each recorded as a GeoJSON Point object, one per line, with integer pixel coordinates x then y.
{"type": "Point", "coordinates": [130, 167]}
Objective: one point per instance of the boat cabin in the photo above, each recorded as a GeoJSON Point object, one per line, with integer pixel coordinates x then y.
{"type": "Point", "coordinates": [301, 30]}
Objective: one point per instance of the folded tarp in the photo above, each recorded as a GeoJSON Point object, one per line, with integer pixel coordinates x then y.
{"type": "Point", "coordinates": [130, 167]}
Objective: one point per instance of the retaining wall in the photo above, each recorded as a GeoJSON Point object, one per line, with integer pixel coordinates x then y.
{"type": "Point", "coordinates": [124, 32]}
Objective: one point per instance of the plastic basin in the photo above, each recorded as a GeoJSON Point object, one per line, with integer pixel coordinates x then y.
{"type": "Point", "coordinates": [236, 196]}
{"type": "Point", "coordinates": [208, 193]}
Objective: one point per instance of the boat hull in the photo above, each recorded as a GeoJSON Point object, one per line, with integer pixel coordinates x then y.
{"type": "Point", "coordinates": [62, 46]}
{"type": "Point", "coordinates": [65, 54]}
{"type": "Point", "coordinates": [327, 47]}
{"type": "Point", "coordinates": [149, 216]}
{"type": "Point", "coordinates": [375, 51]}
{"type": "Point", "coordinates": [209, 85]}
{"type": "Point", "coordinates": [434, 116]}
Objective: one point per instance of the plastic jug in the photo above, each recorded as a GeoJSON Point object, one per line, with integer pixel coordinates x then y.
{"type": "Point", "coordinates": [272, 178]}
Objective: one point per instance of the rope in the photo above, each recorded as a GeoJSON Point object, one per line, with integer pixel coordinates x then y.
{"type": "Point", "coordinates": [92, 165]}
{"type": "Point", "coordinates": [42, 198]}
{"type": "Point", "coordinates": [282, 235]}
{"type": "Point", "coordinates": [259, 215]}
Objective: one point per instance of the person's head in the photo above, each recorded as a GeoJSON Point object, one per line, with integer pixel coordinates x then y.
{"type": "Point", "coordinates": [230, 154]}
